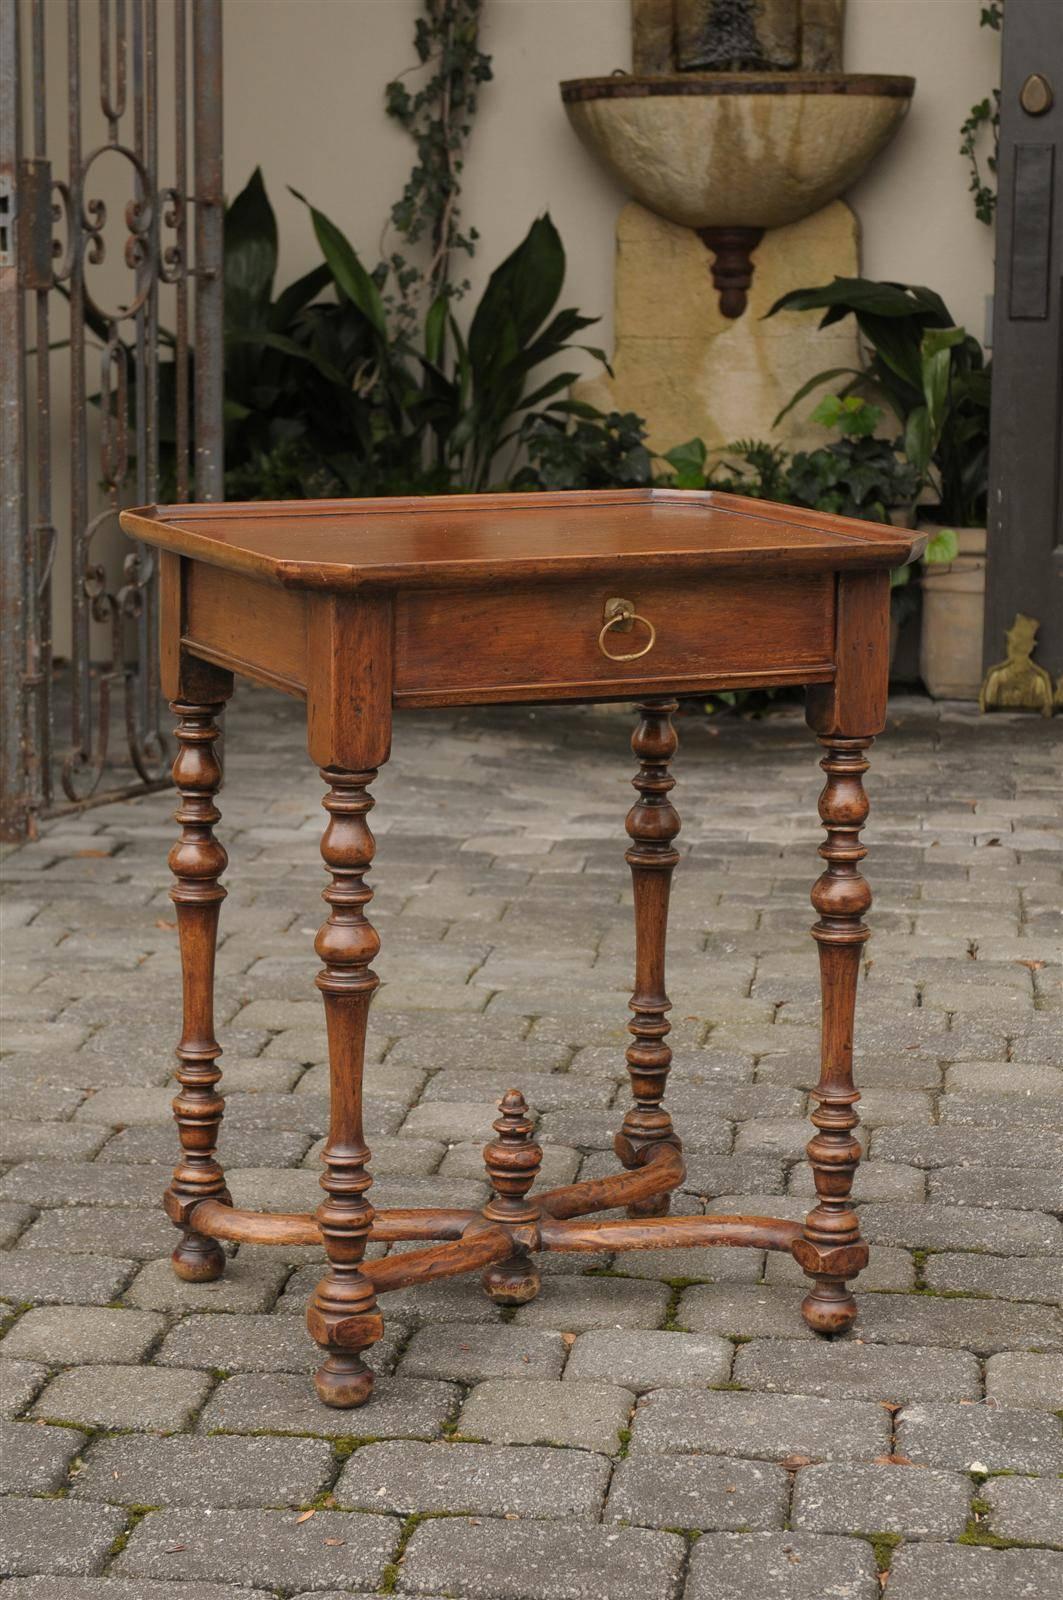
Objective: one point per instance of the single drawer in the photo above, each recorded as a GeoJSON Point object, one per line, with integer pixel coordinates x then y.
{"type": "Point", "coordinates": [545, 640]}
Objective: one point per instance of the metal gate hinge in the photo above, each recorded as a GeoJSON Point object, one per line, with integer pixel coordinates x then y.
{"type": "Point", "coordinates": [26, 223]}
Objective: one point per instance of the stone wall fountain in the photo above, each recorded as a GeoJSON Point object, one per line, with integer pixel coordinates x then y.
{"type": "Point", "coordinates": [737, 129]}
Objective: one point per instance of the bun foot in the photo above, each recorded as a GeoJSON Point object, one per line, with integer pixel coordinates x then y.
{"type": "Point", "coordinates": [512, 1282]}
{"type": "Point", "coordinates": [343, 1381]}
{"type": "Point", "coordinates": [197, 1259]}
{"type": "Point", "coordinates": [829, 1308]}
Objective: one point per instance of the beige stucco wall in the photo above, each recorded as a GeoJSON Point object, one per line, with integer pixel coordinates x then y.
{"type": "Point", "coordinates": [304, 96]}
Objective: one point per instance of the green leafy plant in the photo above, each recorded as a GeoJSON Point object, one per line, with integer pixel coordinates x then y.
{"type": "Point", "coordinates": [941, 547]}
{"type": "Point", "coordinates": [928, 370]}
{"type": "Point", "coordinates": [856, 475]}
{"type": "Point", "coordinates": [751, 467]}
{"type": "Point", "coordinates": [577, 447]}
{"type": "Point", "coordinates": [329, 396]}
{"type": "Point", "coordinates": [981, 127]}
{"type": "Point", "coordinates": [438, 117]}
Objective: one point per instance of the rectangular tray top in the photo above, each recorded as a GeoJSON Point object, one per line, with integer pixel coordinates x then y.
{"type": "Point", "coordinates": [472, 540]}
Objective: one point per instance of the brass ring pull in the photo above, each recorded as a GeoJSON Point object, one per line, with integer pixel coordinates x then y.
{"type": "Point", "coordinates": [623, 618]}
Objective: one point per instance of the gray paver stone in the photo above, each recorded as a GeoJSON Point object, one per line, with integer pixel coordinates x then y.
{"type": "Point", "coordinates": [1037, 1278]}
{"type": "Point", "coordinates": [249, 1283]}
{"type": "Point", "coordinates": [540, 1561]}
{"type": "Point", "coordinates": [269, 1548]}
{"type": "Point", "coordinates": [478, 1479]}
{"type": "Point", "coordinates": [34, 1459]}
{"type": "Point", "coordinates": [43, 1588]}
{"type": "Point", "coordinates": [784, 1566]}
{"type": "Point", "coordinates": [573, 1305]}
{"type": "Point", "coordinates": [193, 1471]}
{"type": "Point", "coordinates": [929, 1571]}
{"type": "Point", "coordinates": [768, 1426]}
{"type": "Point", "coordinates": [650, 1360]}
{"type": "Point", "coordinates": [65, 1335]}
{"type": "Point", "coordinates": [56, 1536]}
{"type": "Point", "coordinates": [284, 1403]}
{"type": "Point", "coordinates": [101, 1231]}
{"type": "Point", "coordinates": [698, 1492]}
{"type": "Point", "coordinates": [749, 1312]}
{"type": "Point", "coordinates": [1024, 1378]}
{"type": "Point", "coordinates": [1027, 1509]}
{"type": "Point", "coordinates": [146, 1398]}
{"type": "Point", "coordinates": [586, 1415]}
{"type": "Point", "coordinates": [919, 1503]}
{"type": "Point", "coordinates": [240, 1343]}
{"type": "Point", "coordinates": [998, 1440]}
{"type": "Point", "coordinates": [844, 1368]}
{"type": "Point", "coordinates": [44, 1276]}
{"type": "Point", "coordinates": [469, 1353]}
{"type": "Point", "coordinates": [19, 1382]}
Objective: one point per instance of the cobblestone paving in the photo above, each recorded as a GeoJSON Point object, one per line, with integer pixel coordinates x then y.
{"type": "Point", "coordinates": [656, 1426]}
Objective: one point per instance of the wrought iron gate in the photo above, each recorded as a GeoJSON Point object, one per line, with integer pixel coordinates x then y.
{"type": "Point", "coordinates": [143, 390]}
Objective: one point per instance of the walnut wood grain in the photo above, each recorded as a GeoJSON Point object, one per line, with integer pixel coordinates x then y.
{"type": "Point", "coordinates": [221, 1221]}
{"type": "Point", "coordinates": [512, 1160]}
{"type": "Point", "coordinates": [465, 540]}
{"type": "Point", "coordinates": [197, 862]}
{"type": "Point", "coordinates": [659, 1233]}
{"type": "Point", "coordinates": [830, 1249]}
{"type": "Point", "coordinates": [450, 642]}
{"type": "Point", "coordinates": [342, 1315]}
{"type": "Point", "coordinates": [652, 824]}
{"type": "Point", "coordinates": [664, 1170]}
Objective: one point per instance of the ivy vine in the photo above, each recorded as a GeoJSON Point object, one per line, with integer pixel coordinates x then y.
{"type": "Point", "coordinates": [982, 127]}
{"type": "Point", "coordinates": [438, 117]}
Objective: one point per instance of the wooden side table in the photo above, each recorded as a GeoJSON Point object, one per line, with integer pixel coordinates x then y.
{"type": "Point", "coordinates": [361, 606]}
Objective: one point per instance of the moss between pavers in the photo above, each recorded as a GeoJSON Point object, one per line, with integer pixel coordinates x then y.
{"type": "Point", "coordinates": [883, 1546]}
{"type": "Point", "coordinates": [136, 1514]}
{"type": "Point", "coordinates": [389, 1578]}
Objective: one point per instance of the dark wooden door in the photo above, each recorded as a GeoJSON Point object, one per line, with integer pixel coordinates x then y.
{"type": "Point", "coordinates": [1025, 567]}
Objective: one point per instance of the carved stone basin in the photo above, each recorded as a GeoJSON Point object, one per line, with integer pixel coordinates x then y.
{"type": "Point", "coordinates": [736, 152]}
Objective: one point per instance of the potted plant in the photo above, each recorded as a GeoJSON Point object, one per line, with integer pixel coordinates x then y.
{"type": "Point", "coordinates": [934, 377]}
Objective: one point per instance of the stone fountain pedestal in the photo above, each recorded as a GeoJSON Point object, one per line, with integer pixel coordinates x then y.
{"type": "Point", "coordinates": [691, 371]}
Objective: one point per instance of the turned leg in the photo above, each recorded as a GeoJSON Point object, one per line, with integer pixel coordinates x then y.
{"type": "Point", "coordinates": [831, 1250]}
{"type": "Point", "coordinates": [197, 861]}
{"type": "Point", "coordinates": [513, 1161]}
{"type": "Point", "coordinates": [342, 1316]}
{"type": "Point", "coordinates": [652, 824]}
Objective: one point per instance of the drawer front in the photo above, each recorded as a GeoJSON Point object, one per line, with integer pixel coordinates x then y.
{"type": "Point", "coordinates": [542, 640]}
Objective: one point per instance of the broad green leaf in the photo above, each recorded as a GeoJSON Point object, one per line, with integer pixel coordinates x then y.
{"type": "Point", "coordinates": [689, 458]}
{"type": "Point", "coordinates": [942, 546]}
{"type": "Point", "coordinates": [435, 325]}
{"type": "Point", "coordinates": [917, 439]}
{"type": "Point", "coordinates": [289, 347]}
{"type": "Point", "coordinates": [297, 295]}
{"type": "Point", "coordinates": [520, 295]}
{"type": "Point", "coordinates": [826, 376]}
{"type": "Point", "coordinates": [250, 255]}
{"type": "Point", "coordinates": [347, 271]}
{"type": "Point", "coordinates": [844, 295]}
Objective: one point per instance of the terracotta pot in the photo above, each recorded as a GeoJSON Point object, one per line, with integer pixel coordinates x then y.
{"type": "Point", "coordinates": [950, 654]}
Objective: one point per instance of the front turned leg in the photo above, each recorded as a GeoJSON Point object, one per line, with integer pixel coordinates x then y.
{"type": "Point", "coordinates": [652, 824]}
{"type": "Point", "coordinates": [197, 861]}
{"type": "Point", "coordinates": [342, 1316]}
{"type": "Point", "coordinates": [831, 1250]}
